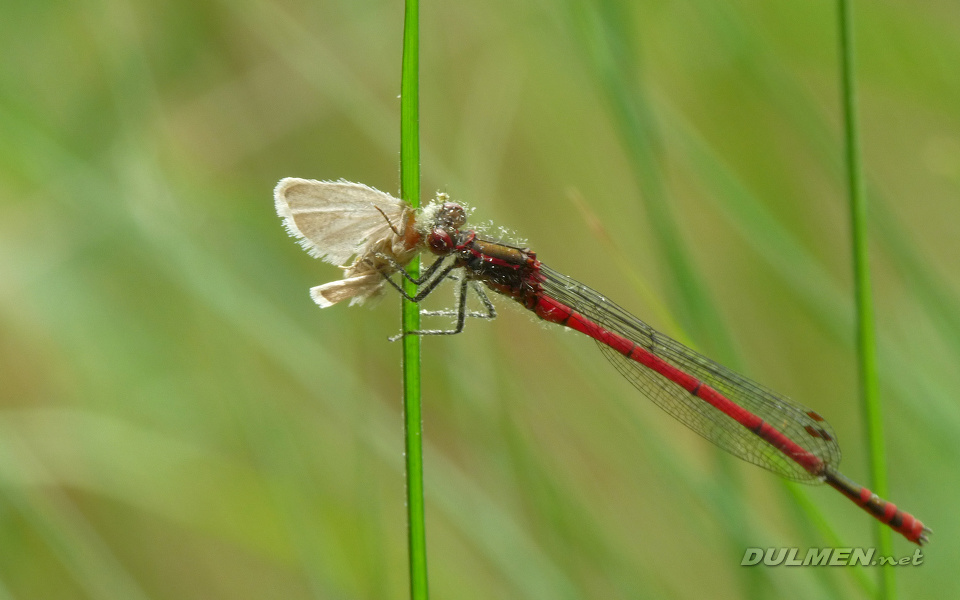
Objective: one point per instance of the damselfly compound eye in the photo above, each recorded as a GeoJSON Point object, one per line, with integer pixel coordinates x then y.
{"type": "Point", "coordinates": [451, 216]}
{"type": "Point", "coordinates": [440, 241]}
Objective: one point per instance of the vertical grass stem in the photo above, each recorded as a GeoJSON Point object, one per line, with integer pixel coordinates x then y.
{"type": "Point", "coordinates": [410, 191]}
{"type": "Point", "coordinates": [866, 333]}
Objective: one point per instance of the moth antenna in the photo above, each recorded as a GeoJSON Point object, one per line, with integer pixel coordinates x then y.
{"type": "Point", "coordinates": [387, 219]}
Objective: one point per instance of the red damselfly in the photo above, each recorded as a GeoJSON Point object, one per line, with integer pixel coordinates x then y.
{"type": "Point", "coordinates": [336, 220]}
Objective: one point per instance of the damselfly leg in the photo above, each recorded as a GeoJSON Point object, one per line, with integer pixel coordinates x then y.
{"type": "Point", "coordinates": [461, 312]}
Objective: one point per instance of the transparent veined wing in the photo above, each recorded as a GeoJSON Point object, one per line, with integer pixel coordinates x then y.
{"type": "Point", "coordinates": [798, 423]}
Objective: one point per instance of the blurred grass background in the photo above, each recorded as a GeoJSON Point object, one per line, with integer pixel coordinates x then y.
{"type": "Point", "coordinates": [180, 421]}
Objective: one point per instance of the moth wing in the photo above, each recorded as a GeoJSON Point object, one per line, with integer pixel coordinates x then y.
{"type": "Point", "coordinates": [334, 220]}
{"type": "Point", "coordinates": [359, 288]}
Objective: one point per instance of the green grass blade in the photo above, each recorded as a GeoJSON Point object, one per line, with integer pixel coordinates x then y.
{"type": "Point", "coordinates": [410, 191]}
{"type": "Point", "coordinates": [613, 52]}
{"type": "Point", "coordinates": [866, 334]}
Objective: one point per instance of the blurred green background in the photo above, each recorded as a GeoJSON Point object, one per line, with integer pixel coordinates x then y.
{"type": "Point", "coordinates": [180, 421]}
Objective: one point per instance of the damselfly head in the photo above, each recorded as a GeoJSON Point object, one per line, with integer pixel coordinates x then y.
{"type": "Point", "coordinates": [443, 222]}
